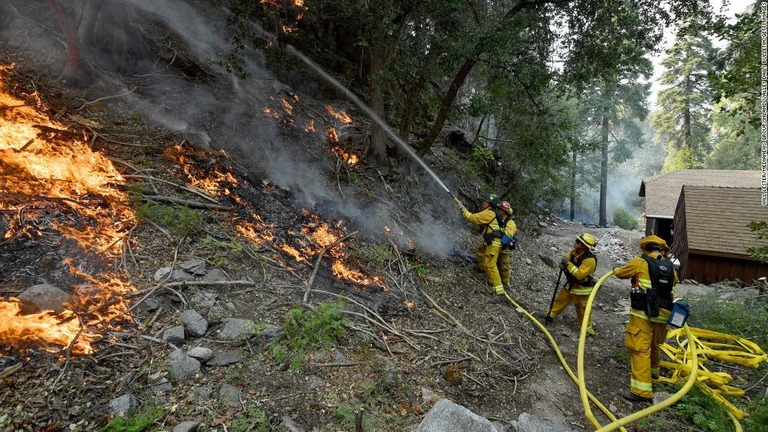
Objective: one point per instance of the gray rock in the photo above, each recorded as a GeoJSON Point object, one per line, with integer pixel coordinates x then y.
{"type": "Point", "coordinates": [161, 386]}
{"type": "Point", "coordinates": [215, 275]}
{"type": "Point", "coordinates": [181, 275]}
{"type": "Point", "coordinates": [201, 393]}
{"type": "Point", "coordinates": [271, 332]}
{"type": "Point", "coordinates": [187, 426]}
{"type": "Point", "coordinates": [161, 273]}
{"type": "Point", "coordinates": [530, 423]}
{"type": "Point", "coordinates": [182, 366]}
{"type": "Point", "coordinates": [195, 266]}
{"type": "Point", "coordinates": [223, 358]}
{"type": "Point", "coordinates": [38, 298]}
{"type": "Point", "coordinates": [229, 395]}
{"type": "Point", "coordinates": [316, 383]}
{"type": "Point", "coordinates": [174, 335]}
{"type": "Point", "coordinates": [121, 405]}
{"type": "Point", "coordinates": [150, 305]}
{"type": "Point", "coordinates": [448, 416]}
{"type": "Point", "coordinates": [200, 353]}
{"type": "Point", "coordinates": [204, 299]}
{"type": "Point", "coordinates": [195, 324]}
{"type": "Point", "coordinates": [661, 397]}
{"type": "Point", "coordinates": [290, 425]}
{"type": "Point", "coordinates": [236, 329]}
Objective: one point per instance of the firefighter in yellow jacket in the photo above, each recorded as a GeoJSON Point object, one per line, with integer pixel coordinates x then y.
{"type": "Point", "coordinates": [653, 279]}
{"type": "Point", "coordinates": [495, 223]}
{"type": "Point", "coordinates": [579, 268]}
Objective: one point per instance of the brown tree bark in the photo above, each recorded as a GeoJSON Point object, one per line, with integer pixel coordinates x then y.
{"type": "Point", "coordinates": [73, 70]}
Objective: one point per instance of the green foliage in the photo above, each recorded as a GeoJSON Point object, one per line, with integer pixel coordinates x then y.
{"type": "Point", "coordinates": [757, 414]}
{"type": "Point", "coordinates": [254, 420]}
{"type": "Point", "coordinates": [374, 256]}
{"type": "Point", "coordinates": [623, 219]}
{"type": "Point", "coordinates": [134, 422]}
{"type": "Point", "coordinates": [481, 162]}
{"type": "Point", "coordinates": [734, 138]}
{"type": "Point", "coordinates": [621, 355]}
{"type": "Point", "coordinates": [760, 228]}
{"type": "Point", "coordinates": [305, 329]}
{"type": "Point", "coordinates": [746, 318]}
{"type": "Point", "coordinates": [181, 220]}
{"type": "Point", "coordinates": [699, 409]}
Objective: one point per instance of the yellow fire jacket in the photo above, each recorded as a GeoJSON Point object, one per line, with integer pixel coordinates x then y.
{"type": "Point", "coordinates": [581, 273]}
{"type": "Point", "coordinates": [486, 219]}
{"type": "Point", "coordinates": [637, 270]}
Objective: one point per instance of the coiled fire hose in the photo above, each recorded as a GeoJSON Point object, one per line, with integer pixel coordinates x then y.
{"type": "Point", "coordinates": [688, 357]}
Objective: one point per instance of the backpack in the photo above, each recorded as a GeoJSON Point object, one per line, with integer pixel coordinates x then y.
{"type": "Point", "coordinates": [506, 242]}
{"type": "Point", "coordinates": [662, 274]}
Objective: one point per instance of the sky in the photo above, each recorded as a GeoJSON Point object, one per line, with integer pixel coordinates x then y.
{"type": "Point", "coordinates": [733, 7]}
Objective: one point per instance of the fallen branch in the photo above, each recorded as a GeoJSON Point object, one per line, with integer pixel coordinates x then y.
{"type": "Point", "coordinates": [10, 371]}
{"type": "Point", "coordinates": [105, 98]}
{"type": "Point", "coordinates": [341, 364]}
{"type": "Point", "coordinates": [196, 192]}
{"type": "Point", "coordinates": [311, 280]}
{"type": "Point", "coordinates": [190, 204]}
{"type": "Point", "coordinates": [444, 312]}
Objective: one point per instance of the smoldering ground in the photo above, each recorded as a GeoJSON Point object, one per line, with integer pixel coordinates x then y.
{"type": "Point", "coordinates": [165, 60]}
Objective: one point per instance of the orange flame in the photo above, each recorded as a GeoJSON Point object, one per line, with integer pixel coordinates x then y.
{"type": "Point", "coordinates": [43, 162]}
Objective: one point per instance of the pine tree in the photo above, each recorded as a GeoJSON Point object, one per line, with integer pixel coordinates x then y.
{"type": "Point", "coordinates": [683, 120]}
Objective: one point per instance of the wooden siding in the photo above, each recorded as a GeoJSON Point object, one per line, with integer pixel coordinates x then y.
{"type": "Point", "coordinates": [710, 269]}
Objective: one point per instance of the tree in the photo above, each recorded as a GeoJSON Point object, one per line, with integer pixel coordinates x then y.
{"type": "Point", "coordinates": [684, 116]}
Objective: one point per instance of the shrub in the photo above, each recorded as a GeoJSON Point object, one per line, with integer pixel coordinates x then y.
{"type": "Point", "coordinates": [623, 219]}
{"type": "Point", "coordinates": [304, 328]}
{"type": "Point", "coordinates": [134, 422]}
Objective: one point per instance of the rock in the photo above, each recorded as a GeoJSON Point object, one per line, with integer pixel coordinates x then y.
{"type": "Point", "coordinates": [194, 266]}
{"type": "Point", "coordinates": [182, 366]}
{"type": "Point", "coordinates": [174, 335]}
{"type": "Point", "coordinates": [161, 273]}
{"type": "Point", "coordinates": [448, 416]}
{"type": "Point", "coordinates": [204, 299]}
{"type": "Point", "coordinates": [290, 425]}
{"type": "Point", "coordinates": [201, 393]}
{"type": "Point", "coordinates": [187, 426]}
{"type": "Point", "coordinates": [215, 275]}
{"type": "Point", "coordinates": [271, 333]}
{"type": "Point", "coordinates": [236, 329]}
{"type": "Point", "coordinates": [316, 383]}
{"type": "Point", "coordinates": [229, 395]}
{"type": "Point", "coordinates": [161, 386]}
{"type": "Point", "coordinates": [530, 423]}
{"type": "Point", "coordinates": [38, 298]}
{"type": "Point", "coordinates": [200, 353]}
{"type": "Point", "coordinates": [181, 275]}
{"type": "Point", "coordinates": [121, 405]}
{"type": "Point", "coordinates": [195, 324]}
{"type": "Point", "coordinates": [224, 358]}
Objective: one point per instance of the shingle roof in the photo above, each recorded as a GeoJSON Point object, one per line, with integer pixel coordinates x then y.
{"type": "Point", "coordinates": [716, 218]}
{"type": "Point", "coordinates": [662, 191]}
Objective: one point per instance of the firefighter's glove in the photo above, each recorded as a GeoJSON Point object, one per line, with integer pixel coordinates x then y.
{"type": "Point", "coordinates": [563, 263]}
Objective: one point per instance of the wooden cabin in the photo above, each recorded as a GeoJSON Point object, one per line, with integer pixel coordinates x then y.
{"type": "Point", "coordinates": [711, 236]}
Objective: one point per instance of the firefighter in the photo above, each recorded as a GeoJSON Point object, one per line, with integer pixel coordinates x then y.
{"type": "Point", "coordinates": [495, 224]}
{"type": "Point", "coordinates": [653, 278]}
{"type": "Point", "coordinates": [579, 266]}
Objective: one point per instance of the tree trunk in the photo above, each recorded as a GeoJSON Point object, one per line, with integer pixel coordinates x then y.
{"type": "Point", "coordinates": [376, 101]}
{"type": "Point", "coordinates": [573, 185]}
{"type": "Point", "coordinates": [603, 221]}
{"type": "Point", "coordinates": [73, 70]}
{"type": "Point", "coordinates": [445, 106]}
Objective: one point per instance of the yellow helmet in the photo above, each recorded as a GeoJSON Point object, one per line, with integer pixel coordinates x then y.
{"type": "Point", "coordinates": [587, 240]}
{"type": "Point", "coordinates": [655, 240]}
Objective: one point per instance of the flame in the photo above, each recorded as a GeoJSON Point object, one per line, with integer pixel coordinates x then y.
{"type": "Point", "coordinates": [45, 168]}
{"type": "Point", "coordinates": [295, 6]}
{"type": "Point", "coordinates": [350, 159]}
{"type": "Point", "coordinates": [339, 114]}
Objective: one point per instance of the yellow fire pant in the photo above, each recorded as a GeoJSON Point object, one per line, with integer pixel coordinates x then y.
{"type": "Point", "coordinates": [564, 298]}
{"type": "Point", "coordinates": [496, 265]}
{"type": "Point", "coordinates": [642, 339]}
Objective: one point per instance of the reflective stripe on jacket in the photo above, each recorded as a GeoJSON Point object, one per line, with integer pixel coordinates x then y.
{"type": "Point", "coordinates": [581, 273]}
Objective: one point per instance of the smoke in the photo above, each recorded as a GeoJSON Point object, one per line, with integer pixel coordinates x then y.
{"type": "Point", "coordinates": [217, 110]}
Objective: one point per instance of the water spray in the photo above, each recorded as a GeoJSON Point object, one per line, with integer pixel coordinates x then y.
{"type": "Point", "coordinates": [360, 104]}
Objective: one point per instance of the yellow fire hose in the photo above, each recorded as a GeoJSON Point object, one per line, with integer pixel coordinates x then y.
{"type": "Point", "coordinates": [688, 359]}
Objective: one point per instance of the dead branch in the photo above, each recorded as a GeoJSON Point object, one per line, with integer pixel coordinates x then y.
{"type": "Point", "coordinates": [196, 192]}
{"type": "Point", "coordinates": [105, 98]}
{"type": "Point", "coordinates": [342, 364]}
{"type": "Point", "coordinates": [456, 361]}
{"type": "Point", "coordinates": [10, 371]}
{"type": "Point", "coordinates": [190, 204]}
{"type": "Point", "coordinates": [444, 313]}
{"type": "Point", "coordinates": [311, 280]}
